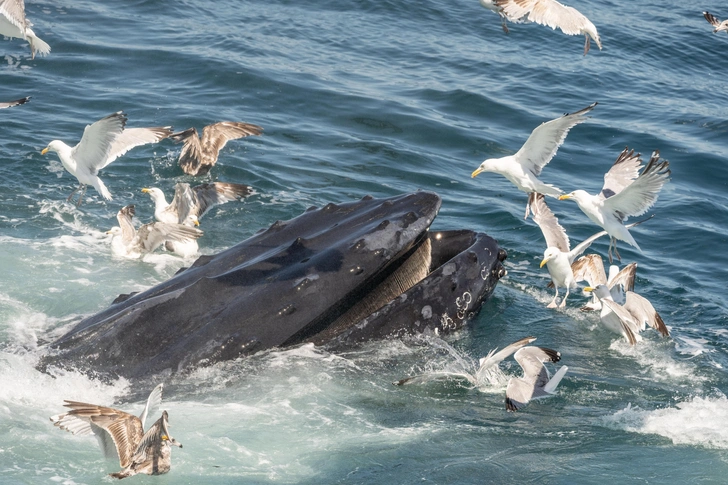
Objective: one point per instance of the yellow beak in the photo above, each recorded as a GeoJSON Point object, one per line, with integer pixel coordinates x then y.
{"type": "Point", "coordinates": [564, 197]}
{"type": "Point", "coordinates": [475, 172]}
{"type": "Point", "coordinates": [543, 262]}
{"type": "Point", "coordinates": [145, 190]}
{"type": "Point", "coordinates": [197, 223]}
{"type": "Point", "coordinates": [588, 289]}
{"type": "Point", "coordinates": [44, 151]}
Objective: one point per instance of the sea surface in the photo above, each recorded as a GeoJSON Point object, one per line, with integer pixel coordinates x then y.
{"type": "Point", "coordinates": [380, 97]}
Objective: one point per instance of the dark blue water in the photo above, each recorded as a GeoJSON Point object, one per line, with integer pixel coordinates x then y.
{"type": "Point", "coordinates": [380, 98]}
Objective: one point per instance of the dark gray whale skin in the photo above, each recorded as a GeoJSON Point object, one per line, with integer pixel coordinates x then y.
{"type": "Point", "coordinates": [293, 283]}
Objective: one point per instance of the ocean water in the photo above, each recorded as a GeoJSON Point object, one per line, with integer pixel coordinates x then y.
{"type": "Point", "coordinates": [359, 97]}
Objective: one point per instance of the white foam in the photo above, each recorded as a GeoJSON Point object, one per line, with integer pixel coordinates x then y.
{"type": "Point", "coordinates": [700, 421]}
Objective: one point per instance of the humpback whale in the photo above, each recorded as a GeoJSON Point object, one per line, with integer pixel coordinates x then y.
{"type": "Point", "coordinates": [336, 276]}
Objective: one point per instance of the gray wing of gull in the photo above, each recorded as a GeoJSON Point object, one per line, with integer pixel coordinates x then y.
{"type": "Point", "coordinates": [134, 137]}
{"type": "Point", "coordinates": [712, 19]}
{"type": "Point", "coordinates": [545, 140]}
{"type": "Point", "coordinates": [623, 280]}
{"type": "Point", "coordinates": [640, 195]}
{"type": "Point", "coordinates": [151, 236]}
{"type": "Point", "coordinates": [623, 172]}
{"type": "Point", "coordinates": [582, 246]}
{"type": "Point", "coordinates": [553, 232]}
{"type": "Point", "coordinates": [494, 358]}
{"type": "Point", "coordinates": [531, 360]}
{"type": "Point", "coordinates": [93, 150]}
{"type": "Point", "coordinates": [209, 195]}
{"type": "Point", "coordinates": [643, 311]}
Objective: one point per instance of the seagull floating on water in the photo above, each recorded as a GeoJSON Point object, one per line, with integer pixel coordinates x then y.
{"type": "Point", "coordinates": [102, 142]}
{"type": "Point", "coordinates": [558, 257]}
{"type": "Point", "coordinates": [10, 104]}
{"type": "Point", "coordinates": [523, 168]}
{"type": "Point", "coordinates": [138, 452]}
{"type": "Point", "coordinates": [14, 24]}
{"type": "Point", "coordinates": [631, 318]}
{"type": "Point", "coordinates": [481, 375]}
{"type": "Point", "coordinates": [590, 268]}
{"type": "Point", "coordinates": [716, 23]}
{"type": "Point", "coordinates": [130, 242]}
{"type": "Point", "coordinates": [625, 193]}
{"type": "Point", "coordinates": [200, 154]}
{"type": "Point", "coordinates": [545, 12]}
{"type": "Point", "coordinates": [536, 382]}
{"type": "Point", "coordinates": [195, 201]}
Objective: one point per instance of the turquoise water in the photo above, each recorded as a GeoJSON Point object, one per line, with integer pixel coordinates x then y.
{"type": "Point", "coordinates": [380, 98]}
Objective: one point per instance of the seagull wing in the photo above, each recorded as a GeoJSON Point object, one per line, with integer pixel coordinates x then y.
{"type": "Point", "coordinates": [629, 325]}
{"type": "Point", "coordinates": [184, 201]}
{"type": "Point", "coordinates": [546, 139]}
{"type": "Point", "coordinates": [711, 18]}
{"type": "Point", "coordinates": [553, 232]}
{"type": "Point", "coordinates": [643, 311]}
{"type": "Point", "coordinates": [14, 12]}
{"type": "Point", "coordinates": [209, 195]}
{"type": "Point", "coordinates": [494, 358]}
{"type": "Point", "coordinates": [624, 278]}
{"type": "Point", "coordinates": [10, 104]}
{"type": "Point", "coordinates": [124, 216]}
{"type": "Point", "coordinates": [134, 137]}
{"type": "Point", "coordinates": [622, 173]}
{"type": "Point", "coordinates": [582, 246]}
{"type": "Point", "coordinates": [215, 136]}
{"type": "Point", "coordinates": [153, 402]}
{"type": "Point", "coordinates": [640, 195]}
{"type": "Point", "coordinates": [93, 150]}
{"type": "Point", "coordinates": [190, 157]}
{"type": "Point", "coordinates": [435, 376]}
{"type": "Point", "coordinates": [151, 236]}
{"type": "Point", "coordinates": [151, 439]}
{"type": "Point", "coordinates": [589, 268]}
{"type": "Point", "coordinates": [125, 430]}
{"type": "Point", "coordinates": [531, 360]}
{"type": "Point", "coordinates": [80, 426]}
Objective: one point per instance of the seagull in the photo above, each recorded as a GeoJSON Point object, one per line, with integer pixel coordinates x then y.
{"type": "Point", "coordinates": [558, 257]}
{"type": "Point", "coordinates": [102, 142]}
{"type": "Point", "coordinates": [624, 194]}
{"type": "Point", "coordinates": [191, 203]}
{"type": "Point", "coordinates": [10, 104]}
{"type": "Point", "coordinates": [138, 452]}
{"type": "Point", "coordinates": [591, 268]}
{"type": "Point", "coordinates": [480, 376]}
{"type": "Point", "coordinates": [14, 24]}
{"type": "Point", "coordinates": [536, 382]}
{"type": "Point", "coordinates": [716, 23]}
{"type": "Point", "coordinates": [525, 166]}
{"type": "Point", "coordinates": [628, 319]}
{"type": "Point", "coordinates": [200, 154]}
{"type": "Point", "coordinates": [131, 242]}
{"type": "Point", "coordinates": [546, 12]}
{"type": "Point", "coordinates": [80, 425]}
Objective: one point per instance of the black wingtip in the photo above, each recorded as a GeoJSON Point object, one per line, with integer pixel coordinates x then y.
{"type": "Point", "coordinates": [554, 355]}
{"type": "Point", "coordinates": [129, 210]}
{"type": "Point", "coordinates": [511, 405]}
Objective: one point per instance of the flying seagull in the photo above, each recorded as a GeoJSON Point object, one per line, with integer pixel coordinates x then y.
{"type": "Point", "coordinates": [716, 23]}
{"type": "Point", "coordinates": [480, 375]}
{"type": "Point", "coordinates": [558, 257]}
{"type": "Point", "coordinates": [536, 382]}
{"type": "Point", "coordinates": [628, 319]}
{"type": "Point", "coordinates": [545, 12]}
{"type": "Point", "coordinates": [102, 142]}
{"type": "Point", "coordinates": [138, 452]}
{"type": "Point", "coordinates": [192, 201]}
{"type": "Point", "coordinates": [130, 242]}
{"type": "Point", "coordinates": [525, 166]}
{"type": "Point", "coordinates": [590, 268]}
{"type": "Point", "coordinates": [80, 425]}
{"type": "Point", "coordinates": [10, 104]}
{"type": "Point", "coordinates": [625, 193]}
{"type": "Point", "coordinates": [200, 154]}
{"type": "Point", "coordinates": [14, 24]}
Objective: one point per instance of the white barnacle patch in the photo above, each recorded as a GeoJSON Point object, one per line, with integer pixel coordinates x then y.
{"type": "Point", "coordinates": [426, 312]}
{"type": "Point", "coordinates": [462, 304]}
